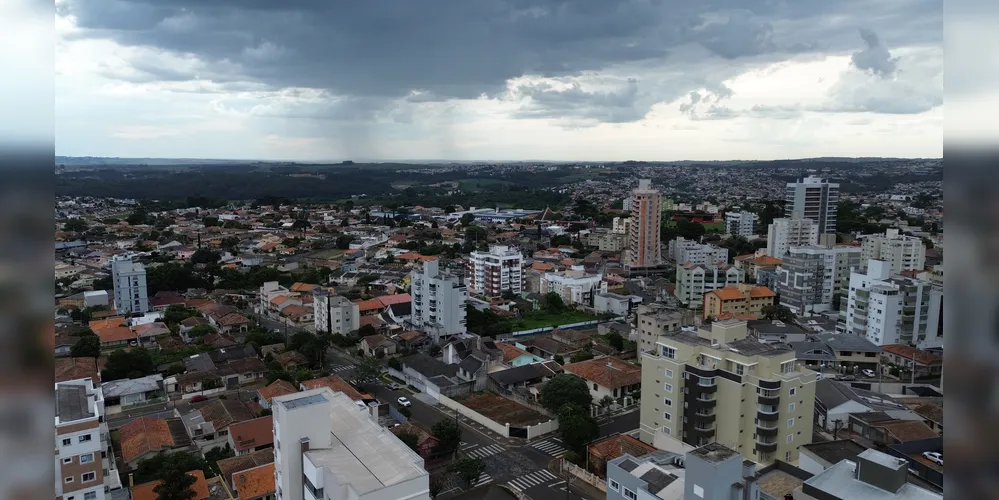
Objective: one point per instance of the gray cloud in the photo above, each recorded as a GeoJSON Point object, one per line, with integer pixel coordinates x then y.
{"type": "Point", "coordinates": [376, 53]}
{"type": "Point", "coordinates": [875, 57]}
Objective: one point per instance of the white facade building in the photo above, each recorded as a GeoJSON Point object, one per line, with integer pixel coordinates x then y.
{"type": "Point", "coordinates": [741, 223]}
{"type": "Point", "coordinates": [575, 286]}
{"type": "Point", "coordinates": [703, 254]}
{"type": "Point", "coordinates": [694, 280]}
{"type": "Point", "coordinates": [493, 272]}
{"type": "Point", "coordinates": [621, 225]}
{"type": "Point", "coordinates": [438, 301]}
{"type": "Point", "coordinates": [129, 279]}
{"type": "Point", "coordinates": [785, 233]}
{"type": "Point", "coordinates": [904, 253]}
{"type": "Point", "coordinates": [81, 437]}
{"type": "Point", "coordinates": [810, 276]}
{"type": "Point", "coordinates": [816, 199]}
{"type": "Point", "coordinates": [891, 309]}
{"type": "Point", "coordinates": [334, 313]}
{"type": "Point", "coordinates": [329, 447]}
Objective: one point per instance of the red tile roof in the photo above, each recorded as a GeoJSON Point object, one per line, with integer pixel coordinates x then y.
{"type": "Point", "coordinates": [607, 371]}
{"type": "Point", "coordinates": [252, 433]}
{"type": "Point", "coordinates": [145, 491]}
{"type": "Point", "coordinates": [144, 435]}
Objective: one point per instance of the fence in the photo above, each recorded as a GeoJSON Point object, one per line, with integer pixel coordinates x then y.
{"type": "Point", "coordinates": [394, 413]}
{"type": "Point", "coordinates": [521, 333]}
{"type": "Point", "coordinates": [584, 475]}
{"type": "Point", "coordinates": [502, 430]}
{"type": "Point", "coordinates": [542, 429]}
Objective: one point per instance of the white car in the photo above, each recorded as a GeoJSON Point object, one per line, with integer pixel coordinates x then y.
{"type": "Point", "coordinates": [403, 401]}
{"type": "Point", "coordinates": [868, 373]}
{"type": "Point", "coordinates": [933, 456]}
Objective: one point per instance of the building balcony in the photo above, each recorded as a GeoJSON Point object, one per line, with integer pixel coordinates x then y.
{"type": "Point", "coordinates": [763, 432]}
{"type": "Point", "coordinates": [706, 418]}
{"type": "Point", "coordinates": [768, 400]}
{"type": "Point", "coordinates": [766, 447]}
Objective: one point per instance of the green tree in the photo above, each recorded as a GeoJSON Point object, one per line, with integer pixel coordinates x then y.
{"type": "Point", "coordinates": [580, 356]}
{"type": "Point", "coordinates": [176, 484]}
{"type": "Point", "coordinates": [559, 359]}
{"type": "Point", "coordinates": [576, 427]}
{"type": "Point", "coordinates": [367, 370]}
{"type": "Point", "coordinates": [154, 467]}
{"type": "Point", "coordinates": [366, 330]}
{"type": "Point", "coordinates": [395, 364]}
{"type": "Point", "coordinates": [615, 340]}
{"type": "Point", "coordinates": [201, 330]}
{"type": "Point", "coordinates": [468, 470]}
{"type": "Point", "coordinates": [135, 363]}
{"type": "Point", "coordinates": [343, 242]}
{"type": "Point", "coordinates": [553, 303]}
{"type": "Point", "coordinates": [777, 312]}
{"type": "Point", "coordinates": [75, 225]}
{"type": "Point", "coordinates": [566, 389]}
{"type": "Point", "coordinates": [411, 440]}
{"type": "Point", "coordinates": [448, 434]}
{"type": "Point", "coordinates": [88, 346]}
{"type": "Point", "coordinates": [218, 453]}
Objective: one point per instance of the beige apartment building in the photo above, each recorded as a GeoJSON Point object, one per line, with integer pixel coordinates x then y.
{"type": "Point", "coordinates": [737, 300]}
{"type": "Point", "coordinates": [654, 320]}
{"type": "Point", "coordinates": [716, 384]}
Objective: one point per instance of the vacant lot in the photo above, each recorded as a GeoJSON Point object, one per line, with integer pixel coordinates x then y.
{"type": "Point", "coordinates": [539, 319]}
{"type": "Point", "coordinates": [501, 410]}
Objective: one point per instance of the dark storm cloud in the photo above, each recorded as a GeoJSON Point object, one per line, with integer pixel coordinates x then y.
{"type": "Point", "coordinates": [466, 49]}
{"type": "Point", "coordinates": [875, 57]}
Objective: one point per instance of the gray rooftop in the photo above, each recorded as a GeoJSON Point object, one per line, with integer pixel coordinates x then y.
{"type": "Point", "coordinates": [71, 402]}
{"type": "Point", "coordinates": [840, 480]}
{"type": "Point", "coordinates": [302, 401]}
{"type": "Point", "coordinates": [118, 388]}
{"type": "Point", "coordinates": [847, 342]}
{"type": "Point", "coordinates": [714, 452]}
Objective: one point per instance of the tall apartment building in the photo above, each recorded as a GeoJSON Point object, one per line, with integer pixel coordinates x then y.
{"type": "Point", "coordinates": [741, 223]}
{"type": "Point", "coordinates": [438, 301]}
{"type": "Point", "coordinates": [329, 447]}
{"type": "Point", "coordinates": [816, 199]}
{"type": "Point", "coordinates": [644, 241]}
{"type": "Point", "coordinates": [491, 273]}
{"type": "Point", "coordinates": [574, 286]}
{"type": "Point", "coordinates": [84, 460]}
{"type": "Point", "coordinates": [717, 384]}
{"type": "Point", "coordinates": [683, 250]}
{"type": "Point", "coordinates": [784, 233]}
{"type": "Point", "coordinates": [129, 280]}
{"type": "Point", "coordinates": [810, 276]}
{"type": "Point", "coordinates": [333, 313]}
{"type": "Point", "coordinates": [904, 253]}
{"type": "Point", "coordinates": [693, 281]}
{"type": "Point", "coordinates": [890, 309]}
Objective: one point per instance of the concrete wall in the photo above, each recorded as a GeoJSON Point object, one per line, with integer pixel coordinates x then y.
{"type": "Point", "coordinates": [502, 430]}
{"type": "Point", "coordinates": [542, 428]}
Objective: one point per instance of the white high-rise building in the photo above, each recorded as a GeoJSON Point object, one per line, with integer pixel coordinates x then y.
{"type": "Point", "coordinates": [810, 276]}
{"type": "Point", "coordinates": [329, 447]}
{"type": "Point", "coordinates": [84, 460]}
{"type": "Point", "coordinates": [644, 245]}
{"type": "Point", "coordinates": [904, 253]}
{"type": "Point", "coordinates": [784, 233]}
{"type": "Point", "coordinates": [887, 308]}
{"type": "Point", "coordinates": [334, 313]}
{"type": "Point", "coordinates": [493, 272]}
{"type": "Point", "coordinates": [741, 223]}
{"type": "Point", "coordinates": [575, 286]}
{"type": "Point", "coordinates": [438, 301]}
{"type": "Point", "coordinates": [816, 199]}
{"type": "Point", "coordinates": [129, 279]}
{"type": "Point", "coordinates": [683, 250]}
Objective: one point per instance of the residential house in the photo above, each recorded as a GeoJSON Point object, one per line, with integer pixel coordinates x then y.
{"type": "Point", "coordinates": [776, 331]}
{"type": "Point", "coordinates": [378, 346]}
{"type": "Point", "coordinates": [251, 435]}
{"type": "Point", "coordinates": [291, 361]}
{"type": "Point", "coordinates": [185, 327]}
{"type": "Point", "coordinates": [752, 264]}
{"type": "Point", "coordinates": [525, 378]}
{"type": "Point", "coordinates": [229, 467]}
{"type": "Point", "coordinates": [279, 387]}
{"type": "Point", "coordinates": [610, 448]}
{"type": "Point", "coordinates": [146, 437]}
{"type": "Point", "coordinates": [76, 368]}
{"type": "Point", "coordinates": [257, 483]}
{"type": "Point", "coordinates": [884, 429]}
{"type": "Point", "coordinates": [130, 393]}
{"type": "Point", "coordinates": [608, 377]}
{"type": "Point", "coordinates": [411, 339]}
{"type": "Point", "coordinates": [613, 303]}
{"type": "Point", "coordinates": [147, 491]}
{"type": "Point", "coordinates": [921, 362]}
{"type": "Point", "coordinates": [425, 440]}
{"type": "Point", "coordinates": [114, 332]}
{"type": "Point", "coordinates": [208, 426]}
{"type": "Point", "coordinates": [516, 354]}
{"type": "Point", "coordinates": [932, 414]}
{"type": "Point", "coordinates": [836, 401]}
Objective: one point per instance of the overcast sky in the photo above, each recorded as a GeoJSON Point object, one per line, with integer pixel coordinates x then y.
{"type": "Point", "coordinates": [499, 79]}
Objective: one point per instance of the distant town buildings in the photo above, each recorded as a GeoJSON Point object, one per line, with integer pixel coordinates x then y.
{"type": "Point", "coordinates": [816, 199]}
{"type": "Point", "coordinates": [438, 301]}
{"type": "Point", "coordinates": [644, 246]}
{"type": "Point", "coordinates": [785, 233]}
{"type": "Point", "coordinates": [904, 253]}
{"type": "Point", "coordinates": [741, 223]}
{"type": "Point", "coordinates": [736, 301]}
{"type": "Point", "coordinates": [498, 270]}
{"type": "Point", "coordinates": [811, 276]}
{"type": "Point", "coordinates": [129, 280]}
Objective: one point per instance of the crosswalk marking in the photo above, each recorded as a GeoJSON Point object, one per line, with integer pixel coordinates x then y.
{"type": "Point", "coordinates": [531, 480]}
{"type": "Point", "coordinates": [466, 446]}
{"type": "Point", "coordinates": [483, 479]}
{"type": "Point", "coordinates": [340, 368]}
{"type": "Point", "coordinates": [485, 451]}
{"type": "Point", "coordinates": [550, 447]}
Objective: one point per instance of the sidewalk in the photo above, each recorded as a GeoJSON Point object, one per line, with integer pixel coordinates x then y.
{"type": "Point", "coordinates": [575, 484]}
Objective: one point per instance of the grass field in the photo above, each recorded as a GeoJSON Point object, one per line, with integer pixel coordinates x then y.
{"type": "Point", "coordinates": [328, 254]}
{"type": "Point", "coordinates": [539, 319]}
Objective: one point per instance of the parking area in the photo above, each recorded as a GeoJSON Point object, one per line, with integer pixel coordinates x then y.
{"type": "Point", "coordinates": [501, 410]}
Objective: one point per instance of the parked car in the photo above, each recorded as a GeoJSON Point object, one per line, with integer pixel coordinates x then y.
{"type": "Point", "coordinates": [199, 398]}
{"type": "Point", "coordinates": [394, 386]}
{"type": "Point", "coordinates": [848, 378]}
{"type": "Point", "coordinates": [403, 401]}
{"type": "Point", "coordinates": [868, 373]}
{"type": "Point", "coordinates": [934, 456]}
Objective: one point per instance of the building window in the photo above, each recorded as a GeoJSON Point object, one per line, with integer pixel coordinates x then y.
{"type": "Point", "coordinates": [68, 460]}
{"type": "Point", "coordinates": [699, 492]}
{"type": "Point", "coordinates": [790, 422]}
{"type": "Point", "coordinates": [85, 438]}
{"type": "Point", "coordinates": [630, 495]}
{"type": "Point", "coordinates": [88, 476]}
{"type": "Point", "coordinates": [790, 437]}
{"type": "Point", "coordinates": [86, 459]}
{"type": "Point", "coordinates": [793, 391]}
{"type": "Point", "coordinates": [614, 485]}
{"type": "Point", "coordinates": [667, 352]}
{"type": "Point", "coordinates": [667, 416]}
{"type": "Point", "coordinates": [668, 387]}
{"type": "Point", "coordinates": [790, 407]}
{"type": "Point", "coordinates": [667, 401]}
{"type": "Point", "coordinates": [68, 479]}
{"type": "Point", "coordinates": [740, 370]}
{"type": "Point", "coordinates": [67, 442]}
{"type": "Point", "coordinates": [787, 456]}
{"type": "Point", "coordinates": [669, 373]}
